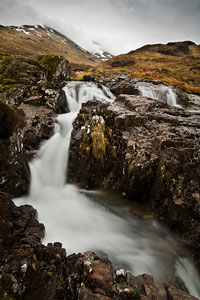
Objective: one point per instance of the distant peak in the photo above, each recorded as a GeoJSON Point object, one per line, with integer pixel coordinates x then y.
{"type": "Point", "coordinates": [99, 52]}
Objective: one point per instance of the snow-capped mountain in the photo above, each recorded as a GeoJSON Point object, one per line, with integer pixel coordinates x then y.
{"type": "Point", "coordinates": [99, 53]}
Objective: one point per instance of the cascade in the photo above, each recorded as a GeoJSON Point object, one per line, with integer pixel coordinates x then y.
{"type": "Point", "coordinates": [159, 92]}
{"type": "Point", "coordinates": [83, 220]}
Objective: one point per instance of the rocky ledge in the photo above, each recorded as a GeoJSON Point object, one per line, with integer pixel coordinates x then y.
{"type": "Point", "coordinates": [147, 150]}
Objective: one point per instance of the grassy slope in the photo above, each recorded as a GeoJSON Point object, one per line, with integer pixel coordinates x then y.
{"type": "Point", "coordinates": [180, 68]}
{"type": "Point", "coordinates": [42, 41]}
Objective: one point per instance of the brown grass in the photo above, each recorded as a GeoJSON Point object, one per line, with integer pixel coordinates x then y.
{"type": "Point", "coordinates": [18, 43]}
{"type": "Point", "coordinates": [182, 71]}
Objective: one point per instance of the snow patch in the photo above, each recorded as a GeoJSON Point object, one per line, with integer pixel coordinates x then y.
{"type": "Point", "coordinates": [22, 30]}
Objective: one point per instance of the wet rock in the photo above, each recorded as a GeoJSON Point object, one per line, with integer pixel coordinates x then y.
{"type": "Point", "coordinates": [62, 105]}
{"type": "Point", "coordinates": [124, 87]}
{"type": "Point", "coordinates": [147, 150]}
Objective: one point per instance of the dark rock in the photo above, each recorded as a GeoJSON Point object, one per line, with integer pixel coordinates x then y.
{"type": "Point", "coordinates": [124, 87]}
{"type": "Point", "coordinates": [89, 78]}
{"type": "Point", "coordinates": [62, 105]}
{"type": "Point", "coordinates": [142, 143]}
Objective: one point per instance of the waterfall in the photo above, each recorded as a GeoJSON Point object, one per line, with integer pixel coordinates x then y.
{"type": "Point", "coordinates": [159, 92]}
{"type": "Point", "coordinates": [84, 220]}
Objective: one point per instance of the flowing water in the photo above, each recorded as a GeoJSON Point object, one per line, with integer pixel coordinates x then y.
{"type": "Point", "coordinates": [159, 92]}
{"type": "Point", "coordinates": [94, 220]}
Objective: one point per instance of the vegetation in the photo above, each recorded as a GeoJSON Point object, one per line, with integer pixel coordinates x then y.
{"type": "Point", "coordinates": [98, 141]}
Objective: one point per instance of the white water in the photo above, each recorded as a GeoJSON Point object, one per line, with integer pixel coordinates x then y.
{"type": "Point", "coordinates": [159, 92]}
{"type": "Point", "coordinates": [81, 222]}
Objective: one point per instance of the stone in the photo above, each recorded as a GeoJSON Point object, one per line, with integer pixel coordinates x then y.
{"type": "Point", "coordinates": [62, 105]}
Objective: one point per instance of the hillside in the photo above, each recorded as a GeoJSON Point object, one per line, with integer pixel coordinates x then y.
{"type": "Point", "coordinates": [30, 41]}
{"type": "Point", "coordinates": [175, 63]}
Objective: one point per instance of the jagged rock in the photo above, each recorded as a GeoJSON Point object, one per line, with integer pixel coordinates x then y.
{"type": "Point", "coordinates": [149, 151]}
{"type": "Point", "coordinates": [124, 87]}
{"type": "Point", "coordinates": [33, 80]}
{"type": "Point", "coordinates": [62, 105]}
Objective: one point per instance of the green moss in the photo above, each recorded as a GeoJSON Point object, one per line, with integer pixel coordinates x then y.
{"type": "Point", "coordinates": [51, 62]}
{"type": "Point", "coordinates": [98, 141]}
{"type": "Point", "coordinates": [114, 151]}
{"type": "Point", "coordinates": [85, 144]}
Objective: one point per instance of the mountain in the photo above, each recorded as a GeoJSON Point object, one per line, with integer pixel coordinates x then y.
{"type": "Point", "coordinates": [35, 40]}
{"type": "Point", "coordinates": [99, 53]}
{"type": "Point", "coordinates": [176, 63]}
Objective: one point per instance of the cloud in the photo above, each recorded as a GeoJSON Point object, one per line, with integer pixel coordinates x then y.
{"type": "Point", "coordinates": [119, 25]}
{"type": "Point", "coordinates": [13, 12]}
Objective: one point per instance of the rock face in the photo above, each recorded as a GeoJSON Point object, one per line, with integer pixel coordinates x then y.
{"type": "Point", "coordinates": [33, 86]}
{"type": "Point", "coordinates": [35, 81]}
{"type": "Point", "coordinates": [30, 270]}
{"type": "Point", "coordinates": [149, 151]}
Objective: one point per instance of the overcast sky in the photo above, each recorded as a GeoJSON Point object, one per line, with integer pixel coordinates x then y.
{"type": "Point", "coordinates": [119, 25]}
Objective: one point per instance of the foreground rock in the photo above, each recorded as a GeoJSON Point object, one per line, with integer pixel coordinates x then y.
{"type": "Point", "coordinates": [148, 150]}
{"type": "Point", "coordinates": [30, 270]}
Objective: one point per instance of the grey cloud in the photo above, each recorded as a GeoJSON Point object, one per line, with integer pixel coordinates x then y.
{"type": "Point", "coordinates": [13, 12]}
{"type": "Point", "coordinates": [120, 25]}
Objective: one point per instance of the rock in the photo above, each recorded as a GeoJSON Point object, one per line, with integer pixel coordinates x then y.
{"type": "Point", "coordinates": [124, 87]}
{"type": "Point", "coordinates": [35, 81]}
{"type": "Point", "coordinates": [23, 129]}
{"type": "Point", "coordinates": [142, 143]}
{"type": "Point", "coordinates": [58, 68]}
{"type": "Point", "coordinates": [62, 105]}
{"type": "Point", "coordinates": [89, 78]}
{"type": "Point", "coordinates": [32, 85]}
{"type": "Point", "coordinates": [34, 100]}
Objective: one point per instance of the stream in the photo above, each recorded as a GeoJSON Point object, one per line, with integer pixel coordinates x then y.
{"type": "Point", "coordinates": [100, 221]}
